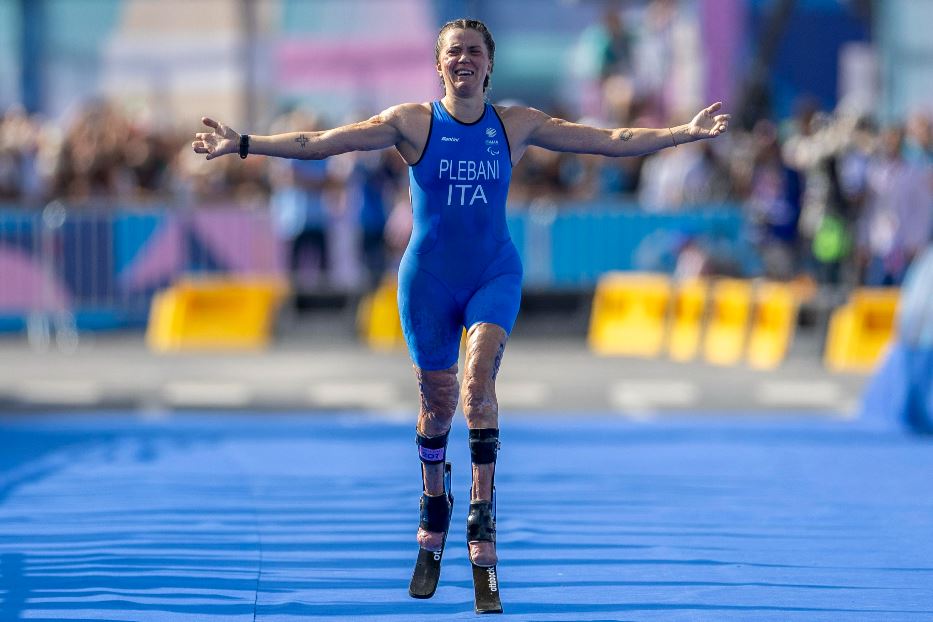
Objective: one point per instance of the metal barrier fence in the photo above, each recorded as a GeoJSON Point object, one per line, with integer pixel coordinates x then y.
{"type": "Point", "coordinates": [99, 268]}
{"type": "Point", "coordinates": [61, 269]}
{"type": "Point", "coordinates": [566, 247]}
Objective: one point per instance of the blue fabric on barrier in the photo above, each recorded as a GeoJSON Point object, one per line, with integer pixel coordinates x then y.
{"type": "Point", "coordinates": [900, 391]}
{"type": "Point", "coordinates": [915, 316]}
{"type": "Point", "coordinates": [919, 413]}
{"type": "Point", "coordinates": [262, 518]}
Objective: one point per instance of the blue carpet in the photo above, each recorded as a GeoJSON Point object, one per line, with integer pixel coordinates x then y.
{"type": "Point", "coordinates": [287, 518]}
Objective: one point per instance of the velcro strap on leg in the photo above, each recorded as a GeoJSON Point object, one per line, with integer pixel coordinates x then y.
{"type": "Point", "coordinates": [481, 524]}
{"type": "Point", "coordinates": [484, 443]}
{"type": "Point", "coordinates": [432, 450]}
{"type": "Point", "coordinates": [435, 513]}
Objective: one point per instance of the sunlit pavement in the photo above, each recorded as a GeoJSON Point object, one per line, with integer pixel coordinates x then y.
{"type": "Point", "coordinates": [327, 369]}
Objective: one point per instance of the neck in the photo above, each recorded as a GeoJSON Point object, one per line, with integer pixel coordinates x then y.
{"type": "Point", "coordinates": [466, 109]}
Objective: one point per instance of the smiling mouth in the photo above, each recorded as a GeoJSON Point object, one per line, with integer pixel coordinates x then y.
{"type": "Point", "coordinates": [461, 73]}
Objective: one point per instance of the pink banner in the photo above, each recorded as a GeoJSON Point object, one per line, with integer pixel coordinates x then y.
{"type": "Point", "coordinates": [382, 70]}
{"type": "Point", "coordinates": [26, 287]}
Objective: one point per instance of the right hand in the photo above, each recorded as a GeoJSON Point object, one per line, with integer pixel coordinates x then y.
{"type": "Point", "coordinates": [221, 141]}
{"type": "Point", "coordinates": [705, 125]}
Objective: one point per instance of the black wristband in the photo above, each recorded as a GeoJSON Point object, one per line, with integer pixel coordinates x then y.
{"type": "Point", "coordinates": [244, 146]}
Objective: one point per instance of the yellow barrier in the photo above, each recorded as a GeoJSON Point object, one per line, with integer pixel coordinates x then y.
{"type": "Point", "coordinates": [214, 313]}
{"type": "Point", "coordinates": [773, 325]}
{"type": "Point", "coordinates": [629, 314]}
{"type": "Point", "coordinates": [378, 320]}
{"type": "Point", "coordinates": [726, 328]}
{"type": "Point", "coordinates": [860, 330]}
{"type": "Point", "coordinates": [687, 320]}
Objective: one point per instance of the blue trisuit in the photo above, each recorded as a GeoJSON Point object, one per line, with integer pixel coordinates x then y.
{"type": "Point", "coordinates": [460, 267]}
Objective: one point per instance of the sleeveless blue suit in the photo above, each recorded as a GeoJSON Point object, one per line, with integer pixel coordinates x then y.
{"type": "Point", "coordinates": [460, 266]}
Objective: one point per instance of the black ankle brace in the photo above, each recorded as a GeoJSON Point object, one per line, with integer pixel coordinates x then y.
{"type": "Point", "coordinates": [435, 513]}
{"type": "Point", "coordinates": [481, 522]}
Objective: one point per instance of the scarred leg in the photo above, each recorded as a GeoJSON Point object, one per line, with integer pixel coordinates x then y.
{"type": "Point", "coordinates": [485, 346]}
{"type": "Point", "coordinates": [438, 391]}
{"type": "Point", "coordinates": [438, 402]}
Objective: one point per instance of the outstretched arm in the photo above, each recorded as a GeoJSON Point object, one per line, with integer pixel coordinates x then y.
{"type": "Point", "coordinates": [378, 132]}
{"type": "Point", "coordinates": [559, 135]}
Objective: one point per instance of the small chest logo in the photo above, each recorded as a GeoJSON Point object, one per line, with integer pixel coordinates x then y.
{"type": "Point", "coordinates": [490, 132]}
{"type": "Point", "coordinates": [450, 139]}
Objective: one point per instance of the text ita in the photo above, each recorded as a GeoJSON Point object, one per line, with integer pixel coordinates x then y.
{"type": "Point", "coordinates": [467, 170]}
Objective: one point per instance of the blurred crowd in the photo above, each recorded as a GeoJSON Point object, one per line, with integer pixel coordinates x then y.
{"type": "Point", "coordinates": [831, 195]}
{"type": "Point", "coordinates": [838, 198]}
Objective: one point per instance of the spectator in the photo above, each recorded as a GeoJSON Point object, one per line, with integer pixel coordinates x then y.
{"type": "Point", "coordinates": [375, 180]}
{"type": "Point", "coordinates": [604, 61]}
{"type": "Point", "coordinates": [674, 179]}
{"type": "Point", "coordinates": [772, 202]}
{"type": "Point", "coordinates": [918, 141]}
{"type": "Point", "coordinates": [28, 151]}
{"type": "Point", "coordinates": [299, 209]}
{"type": "Point", "coordinates": [826, 219]}
{"type": "Point", "coordinates": [897, 222]}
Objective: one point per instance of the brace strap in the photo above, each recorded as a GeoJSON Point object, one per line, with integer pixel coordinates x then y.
{"type": "Point", "coordinates": [484, 444]}
{"type": "Point", "coordinates": [432, 450]}
{"type": "Point", "coordinates": [435, 513]}
{"type": "Point", "coordinates": [481, 522]}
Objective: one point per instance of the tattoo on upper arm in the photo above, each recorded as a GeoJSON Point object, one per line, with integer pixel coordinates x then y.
{"type": "Point", "coordinates": [626, 134]}
{"type": "Point", "coordinates": [302, 140]}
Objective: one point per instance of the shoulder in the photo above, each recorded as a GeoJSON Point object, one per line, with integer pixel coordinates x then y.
{"type": "Point", "coordinates": [521, 114]}
{"type": "Point", "coordinates": [521, 121]}
{"type": "Point", "coordinates": [406, 113]}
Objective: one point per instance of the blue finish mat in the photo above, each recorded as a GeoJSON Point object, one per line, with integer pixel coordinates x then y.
{"type": "Point", "coordinates": [281, 518]}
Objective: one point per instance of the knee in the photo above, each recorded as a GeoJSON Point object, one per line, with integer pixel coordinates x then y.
{"type": "Point", "coordinates": [485, 345]}
{"type": "Point", "coordinates": [478, 396]}
{"type": "Point", "coordinates": [438, 394]}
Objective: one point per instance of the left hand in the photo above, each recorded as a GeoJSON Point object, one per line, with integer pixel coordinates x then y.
{"type": "Point", "coordinates": [708, 124]}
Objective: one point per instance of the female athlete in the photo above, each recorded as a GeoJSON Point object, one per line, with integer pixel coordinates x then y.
{"type": "Point", "coordinates": [460, 269]}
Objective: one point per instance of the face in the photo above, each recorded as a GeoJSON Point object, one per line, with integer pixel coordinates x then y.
{"type": "Point", "coordinates": [464, 61]}
{"type": "Point", "coordinates": [891, 140]}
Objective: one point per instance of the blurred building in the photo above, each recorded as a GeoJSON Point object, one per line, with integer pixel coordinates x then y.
{"type": "Point", "coordinates": [244, 59]}
{"type": "Point", "coordinates": [99, 98]}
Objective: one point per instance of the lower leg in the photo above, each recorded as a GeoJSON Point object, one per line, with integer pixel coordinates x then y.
{"type": "Point", "coordinates": [485, 346]}
{"type": "Point", "coordinates": [438, 396]}
{"type": "Point", "coordinates": [481, 527]}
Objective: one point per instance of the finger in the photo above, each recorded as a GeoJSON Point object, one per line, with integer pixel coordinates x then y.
{"type": "Point", "coordinates": [722, 118]}
{"type": "Point", "coordinates": [209, 122]}
{"type": "Point", "coordinates": [713, 108]}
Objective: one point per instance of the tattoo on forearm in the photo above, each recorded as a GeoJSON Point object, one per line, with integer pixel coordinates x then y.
{"type": "Point", "coordinates": [626, 135]}
{"type": "Point", "coordinates": [302, 140]}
